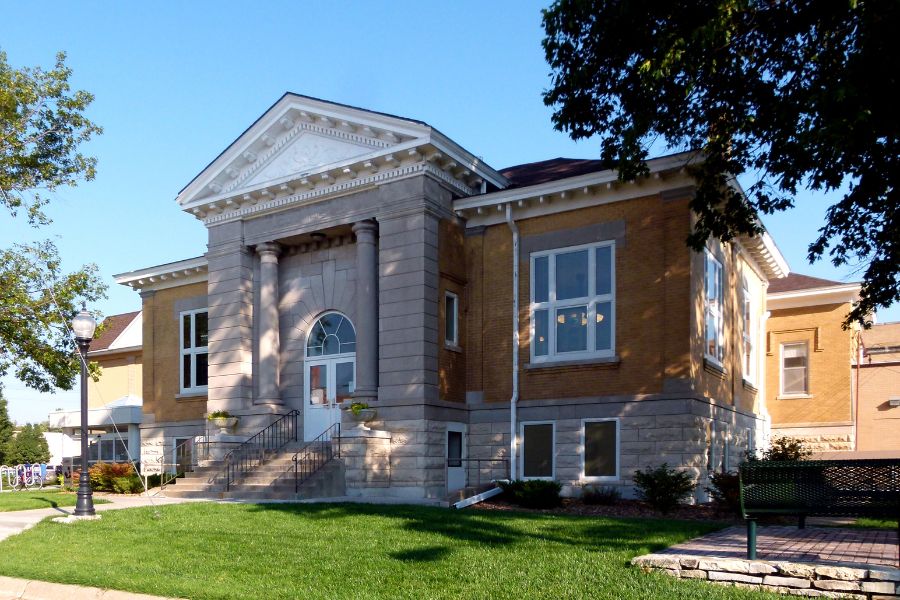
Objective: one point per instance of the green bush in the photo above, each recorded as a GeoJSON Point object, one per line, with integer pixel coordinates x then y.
{"type": "Point", "coordinates": [663, 488]}
{"type": "Point", "coordinates": [532, 493]}
{"type": "Point", "coordinates": [725, 490]}
{"type": "Point", "coordinates": [130, 484]}
{"type": "Point", "coordinates": [785, 449]}
{"type": "Point", "coordinates": [604, 495]}
{"type": "Point", "coordinates": [103, 475]}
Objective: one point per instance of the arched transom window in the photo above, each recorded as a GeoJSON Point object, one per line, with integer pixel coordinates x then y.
{"type": "Point", "coordinates": [332, 334]}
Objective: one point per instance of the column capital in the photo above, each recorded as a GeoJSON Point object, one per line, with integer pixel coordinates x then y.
{"type": "Point", "coordinates": [365, 231]}
{"type": "Point", "coordinates": [268, 249]}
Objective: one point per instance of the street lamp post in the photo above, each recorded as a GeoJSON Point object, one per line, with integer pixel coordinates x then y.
{"type": "Point", "coordinates": [84, 325]}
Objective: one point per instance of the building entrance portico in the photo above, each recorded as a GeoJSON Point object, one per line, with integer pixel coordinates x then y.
{"type": "Point", "coordinates": [329, 372]}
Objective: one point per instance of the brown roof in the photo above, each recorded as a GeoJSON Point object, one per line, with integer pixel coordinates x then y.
{"type": "Point", "coordinates": [796, 282]}
{"type": "Point", "coordinates": [550, 170]}
{"type": "Point", "coordinates": [113, 326]}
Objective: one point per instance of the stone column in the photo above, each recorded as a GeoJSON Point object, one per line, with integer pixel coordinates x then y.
{"type": "Point", "coordinates": [269, 347]}
{"type": "Point", "coordinates": [366, 311]}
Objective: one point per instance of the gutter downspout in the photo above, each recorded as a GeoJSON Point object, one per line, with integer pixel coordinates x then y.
{"type": "Point", "coordinates": [513, 441]}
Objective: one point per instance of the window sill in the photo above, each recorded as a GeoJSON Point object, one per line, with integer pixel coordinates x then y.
{"type": "Point", "coordinates": [452, 347]}
{"type": "Point", "coordinates": [749, 386]}
{"type": "Point", "coordinates": [589, 479]}
{"type": "Point", "coordinates": [194, 395]}
{"type": "Point", "coordinates": [611, 362]}
{"type": "Point", "coordinates": [794, 397]}
{"type": "Point", "coordinates": [714, 367]}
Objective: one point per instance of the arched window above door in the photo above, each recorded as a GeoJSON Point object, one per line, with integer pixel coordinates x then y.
{"type": "Point", "coordinates": [332, 334]}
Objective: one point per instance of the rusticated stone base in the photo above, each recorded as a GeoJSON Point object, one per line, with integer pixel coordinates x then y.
{"type": "Point", "coordinates": [796, 579]}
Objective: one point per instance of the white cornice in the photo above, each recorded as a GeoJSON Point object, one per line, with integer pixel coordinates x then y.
{"type": "Point", "coordinates": [835, 294]}
{"type": "Point", "coordinates": [766, 254]}
{"type": "Point", "coordinates": [175, 274]}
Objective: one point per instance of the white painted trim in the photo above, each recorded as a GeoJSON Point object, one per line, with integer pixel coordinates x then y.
{"type": "Point", "coordinates": [454, 341]}
{"type": "Point", "coordinates": [782, 395]}
{"type": "Point", "coordinates": [522, 425]}
{"type": "Point", "coordinates": [837, 294]}
{"type": "Point", "coordinates": [168, 275]}
{"type": "Point", "coordinates": [601, 478]}
{"type": "Point", "coordinates": [552, 305]}
{"type": "Point", "coordinates": [193, 351]}
{"type": "Point", "coordinates": [718, 312]}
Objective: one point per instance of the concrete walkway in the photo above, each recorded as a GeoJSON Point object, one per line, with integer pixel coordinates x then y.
{"type": "Point", "coordinates": [15, 522]}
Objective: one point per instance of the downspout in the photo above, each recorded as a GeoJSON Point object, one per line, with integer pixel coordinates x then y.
{"type": "Point", "coordinates": [513, 441]}
{"type": "Point", "coordinates": [860, 351]}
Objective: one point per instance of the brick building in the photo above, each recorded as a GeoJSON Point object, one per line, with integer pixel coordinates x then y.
{"type": "Point", "coordinates": [544, 319]}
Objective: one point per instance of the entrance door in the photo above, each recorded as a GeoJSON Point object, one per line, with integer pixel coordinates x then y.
{"type": "Point", "coordinates": [456, 452]}
{"type": "Point", "coordinates": [329, 373]}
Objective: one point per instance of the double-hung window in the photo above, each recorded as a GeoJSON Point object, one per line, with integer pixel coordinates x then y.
{"type": "Point", "coordinates": [601, 449]}
{"type": "Point", "coordinates": [194, 342]}
{"type": "Point", "coordinates": [713, 302]}
{"type": "Point", "coordinates": [794, 369]}
{"type": "Point", "coordinates": [749, 349]}
{"type": "Point", "coordinates": [573, 303]}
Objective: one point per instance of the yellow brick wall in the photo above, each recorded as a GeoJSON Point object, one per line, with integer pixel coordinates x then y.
{"type": "Point", "coordinates": [452, 267]}
{"type": "Point", "coordinates": [829, 364]}
{"type": "Point", "coordinates": [652, 305]}
{"type": "Point", "coordinates": [162, 358]}
{"type": "Point", "coordinates": [120, 375]}
{"type": "Point", "coordinates": [879, 422]}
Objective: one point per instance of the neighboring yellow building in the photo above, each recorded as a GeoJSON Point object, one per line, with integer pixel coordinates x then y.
{"type": "Point", "coordinates": [879, 390]}
{"type": "Point", "coordinates": [808, 361]}
{"type": "Point", "coordinates": [115, 399]}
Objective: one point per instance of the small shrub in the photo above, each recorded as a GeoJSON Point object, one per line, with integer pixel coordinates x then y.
{"type": "Point", "coordinates": [127, 485]}
{"type": "Point", "coordinates": [532, 493]}
{"type": "Point", "coordinates": [102, 475]}
{"type": "Point", "coordinates": [786, 449]}
{"type": "Point", "coordinates": [600, 494]}
{"type": "Point", "coordinates": [219, 414]}
{"type": "Point", "coordinates": [663, 488]}
{"type": "Point", "coordinates": [725, 490]}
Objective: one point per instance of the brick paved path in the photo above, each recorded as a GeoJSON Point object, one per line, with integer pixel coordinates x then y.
{"type": "Point", "coordinates": [820, 545]}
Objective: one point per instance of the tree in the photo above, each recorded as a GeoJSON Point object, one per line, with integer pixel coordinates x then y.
{"type": "Point", "coordinates": [790, 93]}
{"type": "Point", "coordinates": [28, 447]}
{"type": "Point", "coordinates": [6, 428]}
{"type": "Point", "coordinates": [42, 125]}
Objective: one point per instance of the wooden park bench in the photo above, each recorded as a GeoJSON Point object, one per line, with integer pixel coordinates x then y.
{"type": "Point", "coordinates": [819, 488]}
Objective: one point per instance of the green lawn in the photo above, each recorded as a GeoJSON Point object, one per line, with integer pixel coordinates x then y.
{"type": "Point", "coordinates": [26, 500]}
{"type": "Point", "coordinates": [355, 551]}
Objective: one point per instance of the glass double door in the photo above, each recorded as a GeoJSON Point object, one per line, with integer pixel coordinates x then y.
{"type": "Point", "coordinates": [329, 383]}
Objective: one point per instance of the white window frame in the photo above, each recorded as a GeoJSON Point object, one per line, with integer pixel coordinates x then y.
{"type": "Point", "coordinates": [717, 310]}
{"type": "Point", "coordinates": [749, 363]}
{"type": "Point", "coordinates": [552, 305]}
{"type": "Point", "coordinates": [454, 341]}
{"type": "Point", "coordinates": [521, 445]}
{"type": "Point", "coordinates": [601, 478]}
{"type": "Point", "coordinates": [193, 351]}
{"type": "Point", "coordinates": [782, 393]}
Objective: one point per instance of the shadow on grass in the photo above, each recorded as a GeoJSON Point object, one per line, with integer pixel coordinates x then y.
{"type": "Point", "coordinates": [52, 503]}
{"type": "Point", "coordinates": [495, 528]}
{"type": "Point", "coordinates": [427, 554]}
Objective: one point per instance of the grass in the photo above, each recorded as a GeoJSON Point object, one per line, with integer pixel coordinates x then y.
{"type": "Point", "coordinates": [206, 550]}
{"type": "Point", "coordinates": [27, 500]}
{"type": "Point", "coordinates": [866, 523]}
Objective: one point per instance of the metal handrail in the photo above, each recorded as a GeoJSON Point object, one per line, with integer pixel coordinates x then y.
{"type": "Point", "coordinates": [163, 482]}
{"type": "Point", "coordinates": [466, 464]}
{"type": "Point", "coordinates": [252, 453]}
{"type": "Point", "coordinates": [315, 455]}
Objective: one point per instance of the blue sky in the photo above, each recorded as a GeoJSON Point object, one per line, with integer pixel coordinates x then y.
{"type": "Point", "coordinates": [175, 83]}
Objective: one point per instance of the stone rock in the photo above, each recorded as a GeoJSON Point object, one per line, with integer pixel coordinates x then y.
{"type": "Point", "coordinates": [842, 573]}
{"type": "Point", "coordinates": [885, 574]}
{"type": "Point", "coordinates": [796, 570]}
{"type": "Point", "coordinates": [693, 574]}
{"type": "Point", "coordinates": [720, 576]}
{"type": "Point", "coordinates": [790, 582]}
{"type": "Point", "coordinates": [836, 585]}
{"type": "Point", "coordinates": [690, 562]}
{"type": "Point", "coordinates": [658, 561]}
{"type": "Point", "coordinates": [733, 566]}
{"type": "Point", "coordinates": [761, 568]}
{"type": "Point", "coordinates": [878, 587]}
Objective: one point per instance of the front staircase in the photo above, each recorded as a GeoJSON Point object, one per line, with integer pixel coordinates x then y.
{"type": "Point", "coordinates": [284, 470]}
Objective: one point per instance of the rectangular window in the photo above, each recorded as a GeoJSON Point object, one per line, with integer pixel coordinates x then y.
{"type": "Point", "coordinates": [537, 450]}
{"type": "Point", "coordinates": [601, 449]}
{"type": "Point", "coordinates": [714, 305]}
{"type": "Point", "coordinates": [794, 369]}
{"type": "Point", "coordinates": [451, 319]}
{"type": "Point", "coordinates": [194, 343]}
{"type": "Point", "coordinates": [573, 303]}
{"type": "Point", "coordinates": [749, 349]}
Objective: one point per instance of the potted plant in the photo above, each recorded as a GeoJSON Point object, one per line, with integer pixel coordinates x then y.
{"type": "Point", "coordinates": [223, 420]}
{"type": "Point", "coordinates": [361, 413]}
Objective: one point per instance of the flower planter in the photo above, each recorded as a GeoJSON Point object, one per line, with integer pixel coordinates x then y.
{"type": "Point", "coordinates": [363, 416]}
{"type": "Point", "coordinates": [224, 424]}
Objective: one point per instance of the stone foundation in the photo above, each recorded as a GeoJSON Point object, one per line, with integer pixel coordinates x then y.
{"type": "Point", "coordinates": [797, 579]}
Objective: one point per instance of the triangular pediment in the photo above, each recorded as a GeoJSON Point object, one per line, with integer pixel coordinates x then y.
{"type": "Point", "coordinates": [307, 153]}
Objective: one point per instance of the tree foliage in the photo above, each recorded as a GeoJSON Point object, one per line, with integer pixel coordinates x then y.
{"type": "Point", "coordinates": [42, 125]}
{"type": "Point", "coordinates": [6, 428]}
{"type": "Point", "coordinates": [790, 93]}
{"type": "Point", "coordinates": [28, 447]}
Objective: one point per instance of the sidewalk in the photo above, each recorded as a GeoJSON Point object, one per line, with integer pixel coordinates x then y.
{"type": "Point", "coordinates": [15, 522]}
